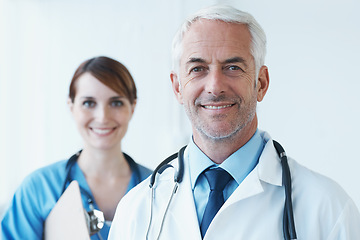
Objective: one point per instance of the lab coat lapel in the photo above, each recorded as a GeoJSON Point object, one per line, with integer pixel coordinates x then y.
{"type": "Point", "coordinates": [182, 214]}
{"type": "Point", "coordinates": [181, 220]}
{"type": "Point", "coordinates": [268, 170]}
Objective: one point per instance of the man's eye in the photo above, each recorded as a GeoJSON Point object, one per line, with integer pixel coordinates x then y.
{"type": "Point", "coordinates": [117, 103]}
{"type": "Point", "coordinates": [89, 104]}
{"type": "Point", "coordinates": [197, 69]}
{"type": "Point", "coordinates": [234, 68]}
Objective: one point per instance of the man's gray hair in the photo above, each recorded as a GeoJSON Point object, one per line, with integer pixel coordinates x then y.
{"type": "Point", "coordinates": [226, 14]}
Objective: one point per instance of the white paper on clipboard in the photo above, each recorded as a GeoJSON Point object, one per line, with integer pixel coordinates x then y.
{"type": "Point", "coordinates": [67, 220]}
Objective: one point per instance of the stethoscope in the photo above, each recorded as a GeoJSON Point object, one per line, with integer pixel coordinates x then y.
{"type": "Point", "coordinates": [94, 218]}
{"type": "Point", "coordinates": [288, 217]}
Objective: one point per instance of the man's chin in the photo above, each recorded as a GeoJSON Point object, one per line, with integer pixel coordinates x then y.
{"type": "Point", "coordinates": [219, 135]}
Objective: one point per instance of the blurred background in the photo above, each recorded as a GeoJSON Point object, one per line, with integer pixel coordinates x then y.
{"type": "Point", "coordinates": [311, 108]}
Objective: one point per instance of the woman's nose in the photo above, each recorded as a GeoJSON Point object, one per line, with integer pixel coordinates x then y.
{"type": "Point", "coordinates": [102, 113]}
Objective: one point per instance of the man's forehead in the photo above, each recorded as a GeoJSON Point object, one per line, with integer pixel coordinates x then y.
{"type": "Point", "coordinates": [215, 33]}
{"type": "Point", "coordinates": [210, 39]}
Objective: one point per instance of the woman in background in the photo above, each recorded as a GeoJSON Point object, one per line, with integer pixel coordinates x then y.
{"type": "Point", "coordinates": [102, 99]}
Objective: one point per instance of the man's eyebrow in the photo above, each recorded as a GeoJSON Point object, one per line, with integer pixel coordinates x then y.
{"type": "Point", "coordinates": [229, 60]}
{"type": "Point", "coordinates": [236, 60]}
{"type": "Point", "coordinates": [195, 60]}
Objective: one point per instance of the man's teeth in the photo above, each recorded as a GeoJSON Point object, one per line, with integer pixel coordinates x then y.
{"type": "Point", "coordinates": [217, 107]}
{"type": "Point", "coordinates": [101, 131]}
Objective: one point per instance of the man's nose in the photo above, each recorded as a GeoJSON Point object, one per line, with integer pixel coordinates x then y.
{"type": "Point", "coordinates": [215, 83]}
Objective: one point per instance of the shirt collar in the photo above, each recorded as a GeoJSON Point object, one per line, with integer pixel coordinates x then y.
{"type": "Point", "coordinates": [239, 164]}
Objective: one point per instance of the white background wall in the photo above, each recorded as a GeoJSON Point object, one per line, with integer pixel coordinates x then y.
{"type": "Point", "coordinates": [312, 106]}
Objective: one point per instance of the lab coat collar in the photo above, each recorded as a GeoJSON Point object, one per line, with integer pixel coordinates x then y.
{"type": "Point", "coordinates": [269, 167]}
{"type": "Point", "coordinates": [268, 170]}
{"type": "Point", "coordinates": [239, 164]}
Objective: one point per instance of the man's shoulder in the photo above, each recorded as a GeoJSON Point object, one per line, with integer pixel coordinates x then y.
{"type": "Point", "coordinates": [137, 193]}
{"type": "Point", "coordinates": [133, 209]}
{"type": "Point", "coordinates": [318, 199]}
{"type": "Point", "coordinates": [308, 184]}
{"type": "Point", "coordinates": [140, 195]}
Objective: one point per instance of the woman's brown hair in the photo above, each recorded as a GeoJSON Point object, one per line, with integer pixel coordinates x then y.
{"type": "Point", "coordinates": [108, 71]}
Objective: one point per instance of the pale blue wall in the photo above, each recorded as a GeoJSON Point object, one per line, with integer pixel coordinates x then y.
{"type": "Point", "coordinates": [312, 106]}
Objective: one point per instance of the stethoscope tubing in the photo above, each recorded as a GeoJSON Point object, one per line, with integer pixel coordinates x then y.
{"type": "Point", "coordinates": [89, 199]}
{"type": "Point", "coordinates": [288, 217]}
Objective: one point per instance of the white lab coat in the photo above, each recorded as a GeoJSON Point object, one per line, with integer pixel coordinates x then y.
{"type": "Point", "coordinates": [322, 210]}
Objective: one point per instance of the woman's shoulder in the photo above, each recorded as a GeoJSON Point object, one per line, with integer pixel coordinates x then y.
{"type": "Point", "coordinates": [139, 169]}
{"type": "Point", "coordinates": [51, 170]}
{"type": "Point", "coordinates": [144, 171]}
{"type": "Point", "coordinates": [46, 175]}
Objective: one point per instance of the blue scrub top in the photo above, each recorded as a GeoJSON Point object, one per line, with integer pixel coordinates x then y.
{"type": "Point", "coordinates": [39, 192]}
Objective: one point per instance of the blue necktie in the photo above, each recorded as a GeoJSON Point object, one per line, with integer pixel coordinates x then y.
{"type": "Point", "coordinates": [217, 178]}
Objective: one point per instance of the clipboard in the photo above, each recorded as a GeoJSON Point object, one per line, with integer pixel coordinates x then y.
{"type": "Point", "coordinates": [67, 219]}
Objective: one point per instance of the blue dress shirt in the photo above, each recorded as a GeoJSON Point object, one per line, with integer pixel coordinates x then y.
{"type": "Point", "coordinates": [238, 165]}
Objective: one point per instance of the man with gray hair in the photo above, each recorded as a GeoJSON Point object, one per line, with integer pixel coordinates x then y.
{"type": "Point", "coordinates": [232, 181]}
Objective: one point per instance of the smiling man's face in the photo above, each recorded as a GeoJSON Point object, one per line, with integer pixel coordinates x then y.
{"type": "Point", "coordinates": [217, 79]}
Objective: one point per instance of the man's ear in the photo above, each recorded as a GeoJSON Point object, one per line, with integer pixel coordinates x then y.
{"type": "Point", "coordinates": [262, 83]}
{"type": "Point", "coordinates": [175, 81]}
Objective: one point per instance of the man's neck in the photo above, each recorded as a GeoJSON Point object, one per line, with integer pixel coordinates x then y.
{"type": "Point", "coordinates": [218, 150]}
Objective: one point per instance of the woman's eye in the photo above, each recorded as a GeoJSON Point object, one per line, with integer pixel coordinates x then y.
{"type": "Point", "coordinates": [89, 104]}
{"type": "Point", "coordinates": [117, 103]}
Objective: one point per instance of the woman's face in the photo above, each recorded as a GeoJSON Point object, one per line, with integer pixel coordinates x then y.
{"type": "Point", "coordinates": [101, 115]}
